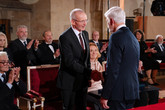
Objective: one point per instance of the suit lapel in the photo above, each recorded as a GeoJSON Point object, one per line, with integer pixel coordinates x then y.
{"type": "Point", "coordinates": [76, 39]}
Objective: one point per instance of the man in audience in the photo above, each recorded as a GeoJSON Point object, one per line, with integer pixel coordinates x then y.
{"type": "Point", "coordinates": [159, 46]}
{"type": "Point", "coordinates": [121, 87]}
{"type": "Point", "coordinates": [47, 52]}
{"type": "Point", "coordinates": [74, 73]}
{"type": "Point", "coordinates": [95, 39]}
{"type": "Point", "coordinates": [10, 84]}
{"type": "Point", "coordinates": [23, 50]}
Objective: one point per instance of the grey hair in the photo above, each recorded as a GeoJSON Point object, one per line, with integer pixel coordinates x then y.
{"type": "Point", "coordinates": [2, 34]}
{"type": "Point", "coordinates": [2, 53]}
{"type": "Point", "coordinates": [157, 36]}
{"type": "Point", "coordinates": [116, 13]}
{"type": "Point", "coordinates": [21, 26]}
{"type": "Point", "coordinates": [72, 13]}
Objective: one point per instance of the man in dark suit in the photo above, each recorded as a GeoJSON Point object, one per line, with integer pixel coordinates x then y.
{"type": "Point", "coordinates": [10, 84]}
{"type": "Point", "coordinates": [121, 86]}
{"type": "Point", "coordinates": [159, 46]}
{"type": "Point", "coordinates": [23, 50]}
{"type": "Point", "coordinates": [47, 52]}
{"type": "Point", "coordinates": [102, 50]}
{"type": "Point", "coordinates": [74, 72]}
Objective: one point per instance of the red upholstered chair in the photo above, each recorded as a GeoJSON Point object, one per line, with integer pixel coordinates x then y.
{"type": "Point", "coordinates": [42, 80]}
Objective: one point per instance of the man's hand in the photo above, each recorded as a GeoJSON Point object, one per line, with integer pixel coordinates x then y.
{"type": "Point", "coordinates": [36, 43]}
{"type": "Point", "coordinates": [29, 44]}
{"type": "Point", "coordinates": [104, 103]}
{"type": "Point", "coordinates": [17, 73]}
{"type": "Point", "coordinates": [57, 53]}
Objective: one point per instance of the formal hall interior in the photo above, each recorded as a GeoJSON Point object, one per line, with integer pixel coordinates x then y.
{"type": "Point", "coordinates": [53, 15]}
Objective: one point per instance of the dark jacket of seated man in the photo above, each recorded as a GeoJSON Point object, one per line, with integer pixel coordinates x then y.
{"type": "Point", "coordinates": [10, 84]}
{"type": "Point", "coordinates": [47, 52]}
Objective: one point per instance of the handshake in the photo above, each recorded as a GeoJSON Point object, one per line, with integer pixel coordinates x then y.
{"type": "Point", "coordinates": [96, 76]}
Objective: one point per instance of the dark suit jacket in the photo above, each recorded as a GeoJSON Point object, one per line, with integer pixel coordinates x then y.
{"type": "Point", "coordinates": [122, 65]}
{"type": "Point", "coordinates": [74, 71]}
{"type": "Point", "coordinates": [45, 55]}
{"type": "Point", "coordinates": [7, 95]}
{"type": "Point", "coordinates": [160, 55]}
{"type": "Point", "coordinates": [22, 56]}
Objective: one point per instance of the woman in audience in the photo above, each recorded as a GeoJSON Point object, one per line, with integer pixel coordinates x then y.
{"type": "Point", "coordinates": [150, 65]}
{"type": "Point", "coordinates": [96, 86]}
{"type": "Point", "coordinates": [3, 46]}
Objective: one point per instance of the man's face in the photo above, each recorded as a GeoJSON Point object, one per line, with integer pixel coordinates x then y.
{"type": "Point", "coordinates": [95, 36]}
{"type": "Point", "coordinates": [48, 37]}
{"type": "Point", "coordinates": [22, 33]}
{"type": "Point", "coordinates": [80, 21]}
{"type": "Point", "coordinates": [160, 40]}
{"type": "Point", "coordinates": [4, 64]}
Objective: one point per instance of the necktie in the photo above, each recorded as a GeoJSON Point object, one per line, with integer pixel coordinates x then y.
{"type": "Point", "coordinates": [25, 43]}
{"type": "Point", "coordinates": [4, 78]}
{"type": "Point", "coordinates": [162, 48]}
{"type": "Point", "coordinates": [98, 45]}
{"type": "Point", "coordinates": [81, 41]}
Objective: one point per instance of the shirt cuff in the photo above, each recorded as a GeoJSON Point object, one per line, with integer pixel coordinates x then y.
{"type": "Point", "coordinates": [9, 85]}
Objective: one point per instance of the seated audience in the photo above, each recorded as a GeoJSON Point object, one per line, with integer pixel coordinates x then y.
{"type": "Point", "coordinates": [10, 84]}
{"type": "Point", "coordinates": [160, 48]}
{"type": "Point", "coordinates": [101, 47]}
{"type": "Point", "coordinates": [23, 51]}
{"type": "Point", "coordinates": [150, 65]}
{"type": "Point", "coordinates": [148, 95]}
{"type": "Point", "coordinates": [95, 85]}
{"type": "Point", "coordinates": [4, 44]}
{"type": "Point", "coordinates": [47, 52]}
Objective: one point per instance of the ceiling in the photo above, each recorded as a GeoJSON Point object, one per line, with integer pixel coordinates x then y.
{"type": "Point", "coordinates": [14, 4]}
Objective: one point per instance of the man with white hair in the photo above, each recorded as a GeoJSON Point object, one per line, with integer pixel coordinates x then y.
{"type": "Point", "coordinates": [160, 48]}
{"type": "Point", "coordinates": [10, 84]}
{"type": "Point", "coordinates": [121, 87]}
{"type": "Point", "coordinates": [74, 72]}
{"type": "Point", "coordinates": [22, 49]}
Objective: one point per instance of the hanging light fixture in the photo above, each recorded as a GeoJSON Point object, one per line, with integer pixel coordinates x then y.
{"type": "Point", "coordinates": [29, 1]}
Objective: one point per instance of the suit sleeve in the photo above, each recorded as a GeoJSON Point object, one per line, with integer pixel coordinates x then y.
{"type": "Point", "coordinates": [113, 66]}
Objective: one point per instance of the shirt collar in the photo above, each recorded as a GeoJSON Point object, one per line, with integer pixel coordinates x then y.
{"type": "Point", "coordinates": [2, 74]}
{"type": "Point", "coordinates": [23, 41]}
{"type": "Point", "coordinates": [76, 31]}
{"type": "Point", "coordinates": [120, 26]}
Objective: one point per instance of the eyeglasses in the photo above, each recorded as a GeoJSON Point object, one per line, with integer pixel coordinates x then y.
{"type": "Point", "coordinates": [82, 21]}
{"type": "Point", "coordinates": [5, 62]}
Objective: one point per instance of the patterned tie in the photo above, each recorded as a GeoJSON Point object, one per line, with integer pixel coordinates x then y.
{"type": "Point", "coordinates": [4, 78]}
{"type": "Point", "coordinates": [81, 41]}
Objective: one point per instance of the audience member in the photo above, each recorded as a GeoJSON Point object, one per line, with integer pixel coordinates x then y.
{"type": "Point", "coordinates": [160, 48]}
{"type": "Point", "coordinates": [150, 65]}
{"type": "Point", "coordinates": [74, 72]}
{"type": "Point", "coordinates": [47, 52]}
{"type": "Point", "coordinates": [95, 39]}
{"type": "Point", "coordinates": [10, 84]}
{"type": "Point", "coordinates": [121, 87]}
{"type": "Point", "coordinates": [95, 85]}
{"type": "Point", "coordinates": [3, 46]}
{"type": "Point", "coordinates": [148, 94]}
{"type": "Point", "coordinates": [23, 51]}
